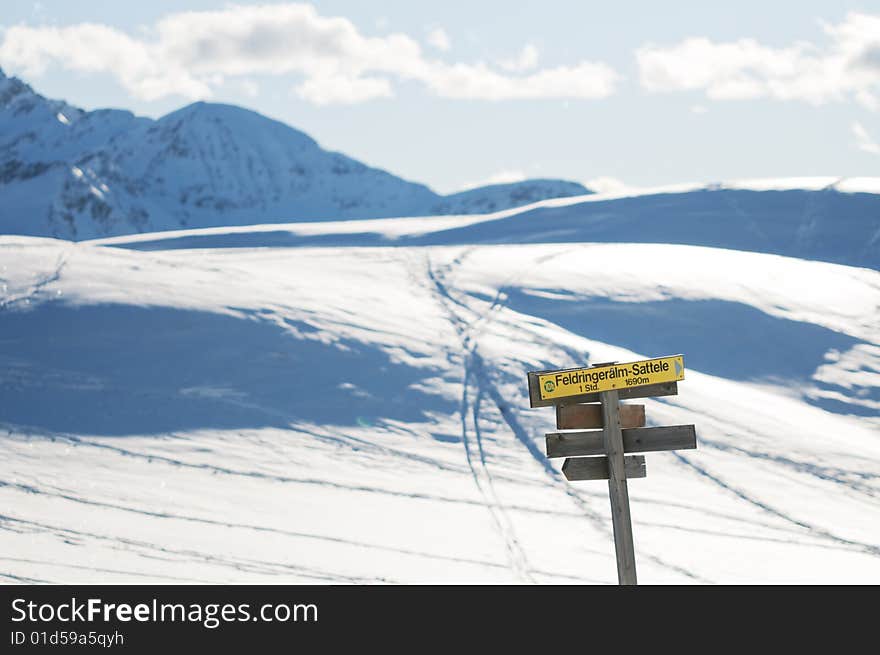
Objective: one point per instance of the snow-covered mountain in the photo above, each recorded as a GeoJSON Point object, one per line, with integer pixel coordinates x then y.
{"type": "Point", "coordinates": [359, 414]}
{"type": "Point", "coordinates": [75, 174]}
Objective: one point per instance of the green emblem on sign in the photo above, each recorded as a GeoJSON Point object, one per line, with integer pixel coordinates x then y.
{"type": "Point", "coordinates": [549, 386]}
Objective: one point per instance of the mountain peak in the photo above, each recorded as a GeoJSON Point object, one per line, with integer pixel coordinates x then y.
{"type": "Point", "coordinates": [245, 123]}
{"type": "Point", "coordinates": [205, 107]}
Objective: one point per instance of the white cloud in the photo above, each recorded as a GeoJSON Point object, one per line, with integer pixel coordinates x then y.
{"type": "Point", "coordinates": [276, 39]}
{"type": "Point", "coordinates": [94, 48]}
{"type": "Point", "coordinates": [848, 66]}
{"type": "Point", "coordinates": [585, 80]}
{"type": "Point", "coordinates": [864, 141]}
{"type": "Point", "coordinates": [334, 90]}
{"type": "Point", "coordinates": [186, 52]}
{"type": "Point", "coordinates": [867, 100]}
{"type": "Point", "coordinates": [439, 39]}
{"type": "Point", "coordinates": [249, 88]}
{"type": "Point", "coordinates": [526, 60]}
{"type": "Point", "coordinates": [501, 177]}
{"type": "Point", "coordinates": [698, 109]}
{"type": "Point", "coordinates": [605, 184]}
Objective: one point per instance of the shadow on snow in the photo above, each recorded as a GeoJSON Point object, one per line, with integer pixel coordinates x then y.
{"type": "Point", "coordinates": [119, 369]}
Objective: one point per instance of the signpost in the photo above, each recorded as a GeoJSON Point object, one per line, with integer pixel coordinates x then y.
{"type": "Point", "coordinates": [599, 454]}
{"type": "Point", "coordinates": [609, 377]}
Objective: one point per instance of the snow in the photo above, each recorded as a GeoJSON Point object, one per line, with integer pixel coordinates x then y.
{"type": "Point", "coordinates": [827, 226]}
{"type": "Point", "coordinates": [816, 183]}
{"type": "Point", "coordinates": [859, 185]}
{"type": "Point", "coordinates": [358, 413]}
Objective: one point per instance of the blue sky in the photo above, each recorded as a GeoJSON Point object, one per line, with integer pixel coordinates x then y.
{"type": "Point", "coordinates": [456, 94]}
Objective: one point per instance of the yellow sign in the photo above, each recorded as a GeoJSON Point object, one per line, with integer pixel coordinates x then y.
{"type": "Point", "coordinates": [578, 381]}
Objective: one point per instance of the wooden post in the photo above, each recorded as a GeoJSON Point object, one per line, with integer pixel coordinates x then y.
{"type": "Point", "coordinates": [617, 489]}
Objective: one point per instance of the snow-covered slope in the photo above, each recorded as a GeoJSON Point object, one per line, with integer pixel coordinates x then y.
{"type": "Point", "coordinates": [74, 174]}
{"type": "Point", "coordinates": [302, 414]}
{"type": "Point", "coordinates": [830, 220]}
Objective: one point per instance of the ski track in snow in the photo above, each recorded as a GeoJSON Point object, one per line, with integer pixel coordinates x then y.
{"type": "Point", "coordinates": [147, 549]}
{"type": "Point", "coordinates": [844, 477]}
{"type": "Point", "coordinates": [471, 409]}
{"type": "Point", "coordinates": [262, 475]}
{"type": "Point", "coordinates": [259, 528]}
{"type": "Point", "coordinates": [870, 549]}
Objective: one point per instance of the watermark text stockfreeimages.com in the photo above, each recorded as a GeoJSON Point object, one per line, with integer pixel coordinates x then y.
{"type": "Point", "coordinates": [209, 615]}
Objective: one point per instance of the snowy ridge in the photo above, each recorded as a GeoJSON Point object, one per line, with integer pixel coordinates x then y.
{"type": "Point", "coordinates": [812, 221]}
{"type": "Point", "coordinates": [500, 197]}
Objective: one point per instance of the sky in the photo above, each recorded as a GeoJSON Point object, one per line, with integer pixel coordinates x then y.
{"type": "Point", "coordinates": [458, 94]}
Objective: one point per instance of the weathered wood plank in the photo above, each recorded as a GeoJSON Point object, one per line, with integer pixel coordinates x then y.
{"type": "Point", "coordinates": [596, 468]}
{"type": "Point", "coordinates": [584, 417]}
{"type": "Point", "coordinates": [534, 393]}
{"type": "Point", "coordinates": [617, 488]}
{"type": "Point", "coordinates": [647, 391]}
{"type": "Point", "coordinates": [575, 444]}
{"type": "Point", "coordinates": [664, 437]}
{"type": "Point", "coordinates": [635, 440]}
